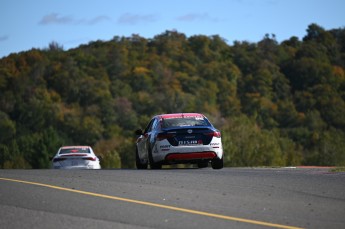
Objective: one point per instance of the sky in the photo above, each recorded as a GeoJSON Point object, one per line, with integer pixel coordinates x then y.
{"type": "Point", "coordinates": [27, 24]}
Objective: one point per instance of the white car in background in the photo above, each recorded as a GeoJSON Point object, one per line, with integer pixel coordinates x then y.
{"type": "Point", "coordinates": [76, 157]}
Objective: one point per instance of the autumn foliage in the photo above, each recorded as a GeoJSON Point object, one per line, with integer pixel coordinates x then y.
{"type": "Point", "coordinates": [276, 104]}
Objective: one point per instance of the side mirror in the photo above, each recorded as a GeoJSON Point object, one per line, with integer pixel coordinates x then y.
{"type": "Point", "coordinates": [139, 132]}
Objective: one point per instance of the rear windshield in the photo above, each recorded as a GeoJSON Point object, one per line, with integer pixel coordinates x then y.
{"type": "Point", "coordinates": [180, 122]}
{"type": "Point", "coordinates": [74, 150]}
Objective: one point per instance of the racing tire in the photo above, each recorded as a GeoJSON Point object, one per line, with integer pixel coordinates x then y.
{"type": "Point", "coordinates": [217, 163]}
{"type": "Point", "coordinates": [153, 165]}
{"type": "Point", "coordinates": [138, 163]}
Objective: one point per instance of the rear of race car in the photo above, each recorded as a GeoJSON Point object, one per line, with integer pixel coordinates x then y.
{"type": "Point", "coordinates": [193, 145]}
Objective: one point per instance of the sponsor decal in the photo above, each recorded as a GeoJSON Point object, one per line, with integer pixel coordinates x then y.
{"type": "Point", "coordinates": [214, 144]}
{"type": "Point", "coordinates": [183, 115]}
{"type": "Point", "coordinates": [189, 131]}
{"type": "Point", "coordinates": [164, 147]}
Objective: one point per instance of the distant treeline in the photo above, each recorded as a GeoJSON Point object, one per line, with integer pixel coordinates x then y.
{"type": "Point", "coordinates": [276, 104]}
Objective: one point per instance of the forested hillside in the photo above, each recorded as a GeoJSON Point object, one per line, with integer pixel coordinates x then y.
{"type": "Point", "coordinates": [276, 104]}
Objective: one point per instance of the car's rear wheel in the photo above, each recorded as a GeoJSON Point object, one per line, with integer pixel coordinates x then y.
{"type": "Point", "coordinates": [217, 163]}
{"type": "Point", "coordinates": [153, 165]}
{"type": "Point", "coordinates": [138, 161]}
{"type": "Point", "coordinates": [203, 164]}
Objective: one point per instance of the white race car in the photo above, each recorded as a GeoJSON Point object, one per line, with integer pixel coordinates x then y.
{"type": "Point", "coordinates": [76, 157]}
{"type": "Point", "coordinates": [181, 138]}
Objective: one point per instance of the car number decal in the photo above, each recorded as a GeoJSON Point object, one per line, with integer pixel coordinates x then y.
{"type": "Point", "coordinates": [190, 142]}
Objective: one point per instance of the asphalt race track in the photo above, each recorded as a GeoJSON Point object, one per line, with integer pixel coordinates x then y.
{"type": "Point", "coordinates": [173, 198]}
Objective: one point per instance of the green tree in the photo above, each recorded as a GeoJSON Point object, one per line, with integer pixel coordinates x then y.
{"type": "Point", "coordinates": [7, 128]}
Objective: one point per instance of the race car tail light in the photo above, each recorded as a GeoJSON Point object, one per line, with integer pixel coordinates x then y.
{"type": "Point", "coordinates": [163, 136]}
{"type": "Point", "coordinates": [89, 158]}
{"type": "Point", "coordinates": [58, 159]}
{"type": "Point", "coordinates": [217, 134]}
{"type": "Point", "coordinates": [214, 134]}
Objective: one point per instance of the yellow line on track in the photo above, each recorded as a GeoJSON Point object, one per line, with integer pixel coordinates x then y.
{"type": "Point", "coordinates": [156, 205]}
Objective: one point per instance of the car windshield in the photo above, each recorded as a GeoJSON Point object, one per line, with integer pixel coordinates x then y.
{"type": "Point", "coordinates": [74, 150]}
{"type": "Point", "coordinates": [179, 122]}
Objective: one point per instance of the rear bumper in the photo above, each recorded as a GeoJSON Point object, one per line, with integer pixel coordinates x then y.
{"type": "Point", "coordinates": [190, 156]}
{"type": "Point", "coordinates": [77, 167]}
{"type": "Point", "coordinates": [168, 154]}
